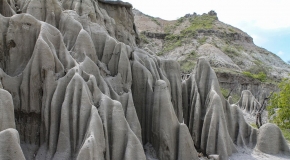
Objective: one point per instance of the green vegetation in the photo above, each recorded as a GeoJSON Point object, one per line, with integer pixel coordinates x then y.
{"type": "Point", "coordinates": [239, 48]}
{"type": "Point", "coordinates": [168, 28]}
{"type": "Point", "coordinates": [155, 20]}
{"type": "Point", "coordinates": [143, 38]}
{"type": "Point", "coordinates": [201, 22]}
{"type": "Point", "coordinates": [281, 102]}
{"type": "Point", "coordinates": [230, 51]}
{"type": "Point", "coordinates": [179, 21]}
{"type": "Point", "coordinates": [172, 41]}
{"type": "Point", "coordinates": [189, 63]}
{"type": "Point", "coordinates": [202, 40]}
{"type": "Point", "coordinates": [286, 133]}
{"type": "Point", "coordinates": [260, 76]}
{"type": "Point", "coordinates": [232, 30]}
{"type": "Point", "coordinates": [225, 93]}
{"type": "Point", "coordinates": [254, 125]}
{"type": "Point", "coordinates": [193, 54]}
{"type": "Point", "coordinates": [187, 66]}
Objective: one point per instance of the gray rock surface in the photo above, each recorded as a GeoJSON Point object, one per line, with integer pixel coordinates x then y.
{"type": "Point", "coordinates": [270, 140]}
{"type": "Point", "coordinates": [74, 86]}
{"type": "Point", "coordinates": [9, 137]}
{"type": "Point", "coordinates": [10, 145]}
{"type": "Point", "coordinates": [248, 102]}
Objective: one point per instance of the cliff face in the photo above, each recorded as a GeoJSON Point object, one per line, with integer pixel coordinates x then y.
{"type": "Point", "coordinates": [75, 86]}
{"type": "Point", "coordinates": [230, 51]}
{"type": "Point", "coordinates": [123, 25]}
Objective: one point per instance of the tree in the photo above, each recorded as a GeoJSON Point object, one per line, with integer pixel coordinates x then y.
{"type": "Point", "coordinates": [260, 111]}
{"type": "Point", "coordinates": [280, 105]}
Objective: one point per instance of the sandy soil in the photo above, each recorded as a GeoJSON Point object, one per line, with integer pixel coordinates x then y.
{"type": "Point", "coordinates": [249, 154]}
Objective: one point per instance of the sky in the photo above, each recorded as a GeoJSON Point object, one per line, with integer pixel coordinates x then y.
{"type": "Point", "coordinates": [267, 21]}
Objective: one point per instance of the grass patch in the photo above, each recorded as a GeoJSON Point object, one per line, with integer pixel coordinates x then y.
{"type": "Point", "coordinates": [173, 41]}
{"type": "Point", "coordinates": [143, 38]}
{"type": "Point", "coordinates": [232, 30]}
{"type": "Point", "coordinates": [239, 48]}
{"type": "Point", "coordinates": [202, 40]}
{"type": "Point", "coordinates": [168, 28]}
{"type": "Point", "coordinates": [286, 133]}
{"type": "Point", "coordinates": [189, 63]}
{"type": "Point", "coordinates": [261, 76]}
{"type": "Point", "coordinates": [254, 125]}
{"type": "Point", "coordinates": [230, 51]}
{"type": "Point", "coordinates": [179, 21]}
{"type": "Point", "coordinates": [155, 20]}
{"type": "Point", "coordinates": [225, 92]}
{"type": "Point", "coordinates": [201, 22]}
{"type": "Point", "coordinates": [187, 66]}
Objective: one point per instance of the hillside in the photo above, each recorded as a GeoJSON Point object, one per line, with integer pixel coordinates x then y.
{"type": "Point", "coordinates": [230, 51]}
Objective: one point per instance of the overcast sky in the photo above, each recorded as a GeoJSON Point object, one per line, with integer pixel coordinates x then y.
{"type": "Point", "coordinates": [267, 21]}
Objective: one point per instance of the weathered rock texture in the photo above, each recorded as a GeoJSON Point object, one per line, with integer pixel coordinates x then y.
{"type": "Point", "coordinates": [248, 102]}
{"type": "Point", "coordinates": [79, 89]}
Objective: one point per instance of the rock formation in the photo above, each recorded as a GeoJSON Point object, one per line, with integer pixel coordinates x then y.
{"type": "Point", "coordinates": [75, 86]}
{"type": "Point", "coordinates": [248, 102]}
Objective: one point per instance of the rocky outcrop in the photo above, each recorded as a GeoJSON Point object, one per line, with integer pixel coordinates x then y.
{"type": "Point", "coordinates": [74, 90]}
{"type": "Point", "coordinates": [271, 140]}
{"type": "Point", "coordinates": [10, 145]}
{"type": "Point", "coordinates": [248, 102]}
{"type": "Point", "coordinates": [9, 137]}
{"type": "Point", "coordinates": [206, 112]}
{"type": "Point", "coordinates": [238, 83]}
{"type": "Point", "coordinates": [154, 35]}
{"type": "Point", "coordinates": [123, 21]}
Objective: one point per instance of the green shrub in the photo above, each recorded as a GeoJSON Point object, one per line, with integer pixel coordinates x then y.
{"type": "Point", "coordinates": [189, 63]}
{"type": "Point", "coordinates": [193, 53]}
{"type": "Point", "coordinates": [230, 51]}
{"type": "Point", "coordinates": [248, 74]}
{"type": "Point", "coordinates": [286, 133]}
{"type": "Point", "coordinates": [180, 20]}
{"type": "Point", "coordinates": [281, 101]}
{"type": "Point", "coordinates": [232, 30]}
{"type": "Point", "coordinates": [260, 76]}
{"type": "Point", "coordinates": [143, 38]}
{"type": "Point", "coordinates": [155, 20]}
{"type": "Point", "coordinates": [225, 92]}
{"type": "Point", "coordinates": [202, 40]}
{"type": "Point", "coordinates": [187, 66]}
{"type": "Point", "coordinates": [201, 22]}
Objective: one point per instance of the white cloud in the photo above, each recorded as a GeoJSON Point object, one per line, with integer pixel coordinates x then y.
{"type": "Point", "coordinates": [280, 53]}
